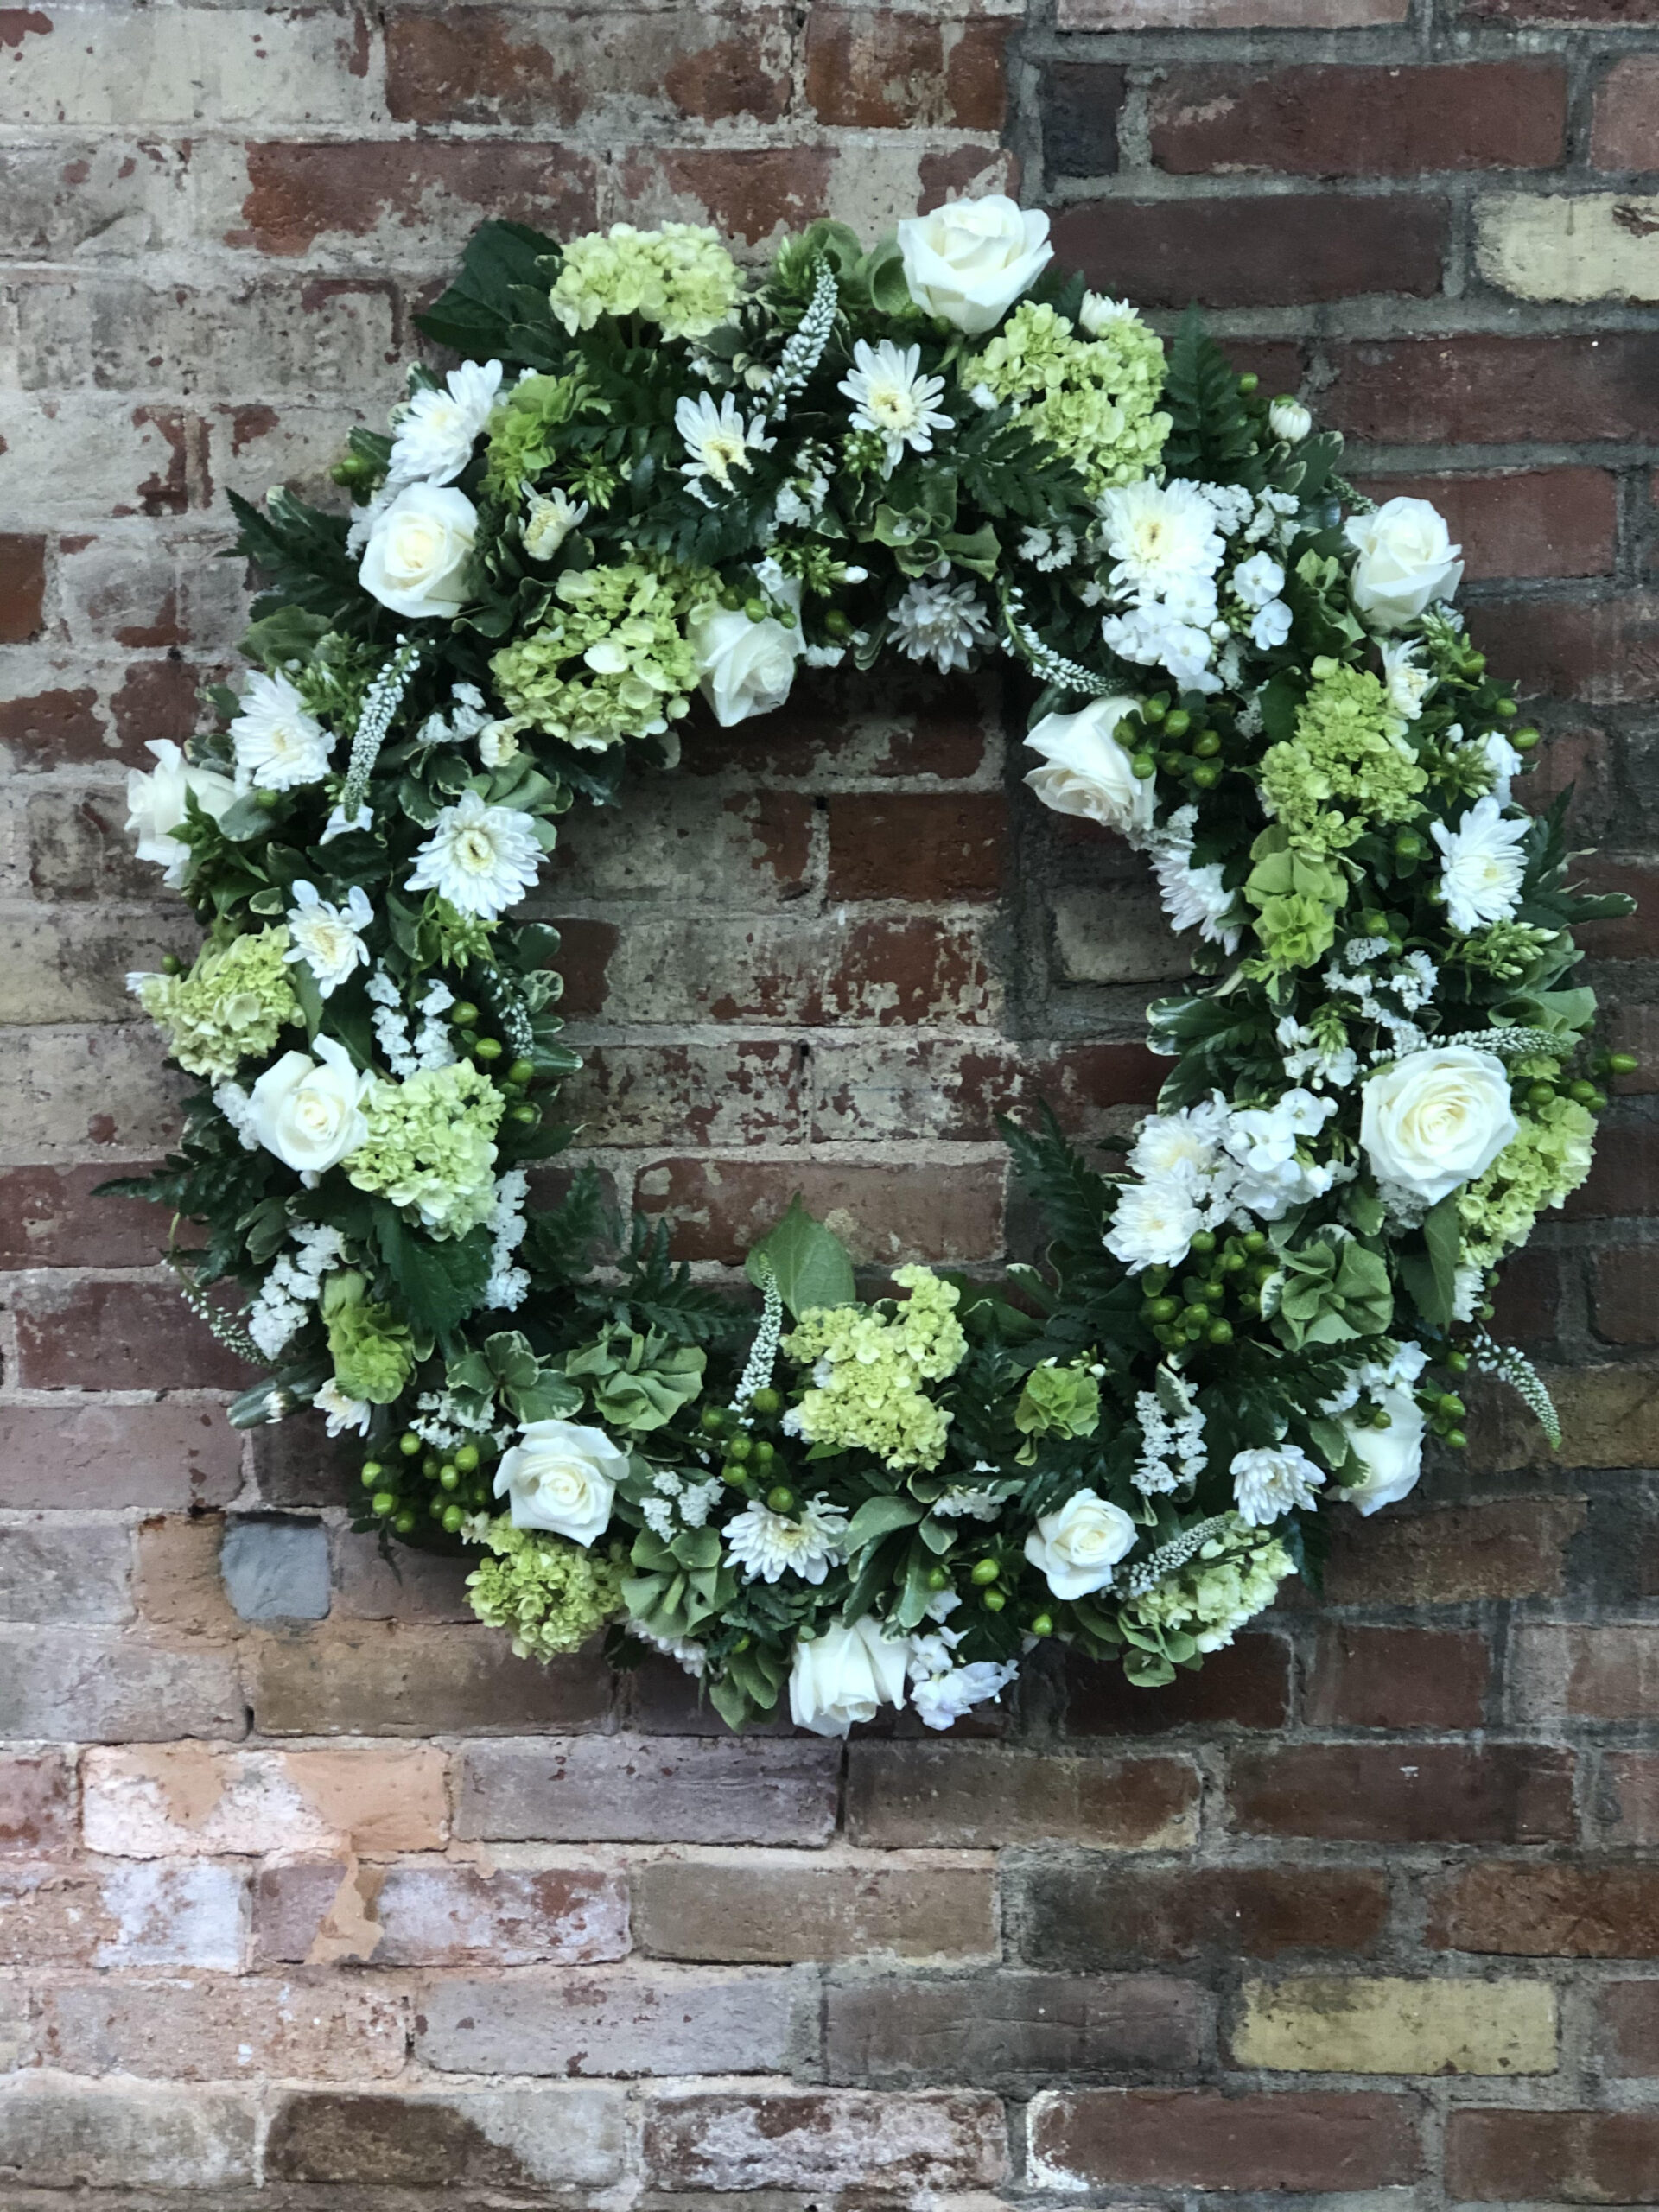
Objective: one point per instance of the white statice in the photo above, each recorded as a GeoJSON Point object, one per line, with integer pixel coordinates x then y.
{"type": "Point", "coordinates": [1309, 1059]}
{"type": "Point", "coordinates": [328, 938]}
{"type": "Point", "coordinates": [1406, 682]}
{"type": "Point", "coordinates": [892, 400]}
{"type": "Point", "coordinates": [1193, 897]}
{"type": "Point", "coordinates": [343, 1413]}
{"type": "Point", "coordinates": [942, 622]}
{"type": "Point", "coordinates": [718, 440]}
{"type": "Point", "coordinates": [550, 517]}
{"type": "Point", "coordinates": [482, 859]}
{"type": "Point", "coordinates": [1173, 1453]}
{"type": "Point", "coordinates": [1271, 1481]}
{"type": "Point", "coordinates": [766, 1546]}
{"type": "Point", "coordinates": [279, 744]}
{"type": "Point", "coordinates": [437, 427]}
{"type": "Point", "coordinates": [293, 1285]}
{"type": "Point", "coordinates": [963, 1502]}
{"type": "Point", "coordinates": [1483, 866]}
{"type": "Point", "coordinates": [509, 1285]}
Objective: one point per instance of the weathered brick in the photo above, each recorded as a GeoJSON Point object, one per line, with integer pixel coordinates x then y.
{"type": "Point", "coordinates": [72, 197]}
{"type": "Point", "coordinates": [37, 1804]}
{"type": "Point", "coordinates": [747, 1093]}
{"type": "Point", "coordinates": [1119, 935]}
{"type": "Point", "coordinates": [1630, 1798]}
{"type": "Point", "coordinates": [1629, 2028]}
{"type": "Point", "coordinates": [884, 1215]}
{"type": "Point", "coordinates": [1010, 2031]}
{"type": "Point", "coordinates": [176, 1582]}
{"type": "Point", "coordinates": [1584, 1911]}
{"type": "Point", "coordinates": [1625, 1303]}
{"type": "Point", "coordinates": [1081, 103]}
{"type": "Point", "coordinates": [1487, 389]}
{"type": "Point", "coordinates": [488, 2139]}
{"type": "Point", "coordinates": [400, 1680]}
{"type": "Point", "coordinates": [69, 967]}
{"type": "Point", "coordinates": [80, 457]}
{"type": "Point", "coordinates": [297, 1463]}
{"type": "Point", "coordinates": [1626, 132]}
{"type": "Point", "coordinates": [1332, 2023]}
{"type": "Point", "coordinates": [951, 1091]}
{"type": "Point", "coordinates": [1497, 1548]}
{"type": "Point", "coordinates": [78, 1093]}
{"type": "Point", "coordinates": [1084, 2139]}
{"type": "Point", "coordinates": [55, 1569]}
{"type": "Point", "coordinates": [1398, 1678]}
{"type": "Point", "coordinates": [438, 1915]}
{"type": "Point", "coordinates": [1609, 1415]}
{"type": "Point", "coordinates": [73, 1685]}
{"type": "Point", "coordinates": [23, 587]}
{"type": "Point", "coordinates": [375, 1582]}
{"type": "Point", "coordinates": [145, 1915]}
{"type": "Point", "coordinates": [58, 2134]}
{"type": "Point", "coordinates": [1407, 1793]}
{"type": "Point", "coordinates": [1549, 247]}
{"type": "Point", "coordinates": [1576, 2158]}
{"type": "Point", "coordinates": [738, 1790]}
{"type": "Point", "coordinates": [1239, 251]}
{"type": "Point", "coordinates": [979, 1796]}
{"type": "Point", "coordinates": [688, 842]}
{"type": "Point", "coordinates": [759, 1910]}
{"type": "Point", "coordinates": [118, 1336]}
{"type": "Point", "coordinates": [882, 70]}
{"type": "Point", "coordinates": [1248, 1687]}
{"type": "Point", "coordinates": [618, 2024]}
{"type": "Point", "coordinates": [1557, 522]}
{"type": "Point", "coordinates": [182, 2030]}
{"type": "Point", "coordinates": [1604, 652]}
{"type": "Point", "coordinates": [49, 1219]}
{"type": "Point", "coordinates": [1226, 15]}
{"type": "Point", "coordinates": [1594, 1672]}
{"type": "Point", "coordinates": [185, 1800]}
{"type": "Point", "coordinates": [754, 194]}
{"type": "Point", "coordinates": [1087, 1913]}
{"type": "Point", "coordinates": [916, 845]}
{"type": "Point", "coordinates": [823, 2139]}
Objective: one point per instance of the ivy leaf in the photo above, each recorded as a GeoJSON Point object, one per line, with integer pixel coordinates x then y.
{"type": "Point", "coordinates": [438, 1284]}
{"type": "Point", "coordinates": [808, 1260]}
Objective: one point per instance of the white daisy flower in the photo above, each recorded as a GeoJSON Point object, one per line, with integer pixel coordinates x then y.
{"type": "Point", "coordinates": [482, 859]}
{"type": "Point", "coordinates": [278, 744]}
{"type": "Point", "coordinates": [942, 622]}
{"type": "Point", "coordinates": [552, 518]}
{"type": "Point", "coordinates": [1158, 536]}
{"type": "Point", "coordinates": [436, 428]}
{"type": "Point", "coordinates": [1268, 1483]}
{"type": "Point", "coordinates": [892, 399]}
{"type": "Point", "coordinates": [328, 938]}
{"type": "Point", "coordinates": [766, 1546]}
{"type": "Point", "coordinates": [1483, 867]}
{"type": "Point", "coordinates": [718, 438]}
{"type": "Point", "coordinates": [343, 1413]}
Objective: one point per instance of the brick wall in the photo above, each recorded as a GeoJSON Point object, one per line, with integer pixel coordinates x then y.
{"type": "Point", "coordinates": [305, 1887]}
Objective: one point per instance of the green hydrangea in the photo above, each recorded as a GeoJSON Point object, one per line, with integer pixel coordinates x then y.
{"type": "Point", "coordinates": [1297, 896]}
{"type": "Point", "coordinates": [522, 430]}
{"type": "Point", "coordinates": [680, 278]}
{"type": "Point", "coordinates": [868, 1368]}
{"type": "Point", "coordinates": [1094, 400]}
{"type": "Point", "coordinates": [373, 1352]}
{"type": "Point", "coordinates": [431, 1146]}
{"type": "Point", "coordinates": [1233, 1576]}
{"type": "Point", "coordinates": [231, 1007]}
{"type": "Point", "coordinates": [1346, 768]}
{"type": "Point", "coordinates": [550, 1594]}
{"type": "Point", "coordinates": [612, 660]}
{"type": "Point", "coordinates": [1546, 1159]}
{"type": "Point", "coordinates": [1059, 1401]}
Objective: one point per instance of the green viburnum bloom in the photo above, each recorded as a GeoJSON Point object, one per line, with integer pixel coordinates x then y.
{"type": "Point", "coordinates": [1095, 401]}
{"type": "Point", "coordinates": [522, 429]}
{"type": "Point", "coordinates": [868, 1368]}
{"type": "Point", "coordinates": [1346, 768]}
{"type": "Point", "coordinates": [638, 1382]}
{"type": "Point", "coordinates": [1329, 1292]}
{"type": "Point", "coordinates": [231, 1007]}
{"type": "Point", "coordinates": [431, 1146]}
{"type": "Point", "coordinates": [611, 661]}
{"type": "Point", "coordinates": [373, 1352]}
{"type": "Point", "coordinates": [1233, 1576]}
{"type": "Point", "coordinates": [550, 1594]}
{"type": "Point", "coordinates": [1547, 1159]}
{"type": "Point", "coordinates": [680, 278]}
{"type": "Point", "coordinates": [1059, 1401]}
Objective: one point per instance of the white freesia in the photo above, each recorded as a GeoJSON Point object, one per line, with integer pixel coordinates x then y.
{"type": "Point", "coordinates": [1436, 1118]}
{"type": "Point", "coordinates": [328, 938]}
{"type": "Point", "coordinates": [1289, 420]}
{"type": "Point", "coordinates": [744, 668]}
{"type": "Point", "coordinates": [561, 1476]}
{"type": "Point", "coordinates": [1482, 866]}
{"type": "Point", "coordinates": [278, 743]}
{"type": "Point", "coordinates": [309, 1112]}
{"type": "Point", "coordinates": [1392, 1457]}
{"type": "Point", "coordinates": [482, 859]}
{"type": "Point", "coordinates": [845, 1675]}
{"type": "Point", "coordinates": [416, 560]}
{"type": "Point", "coordinates": [1269, 1482]}
{"type": "Point", "coordinates": [1077, 1545]}
{"type": "Point", "coordinates": [970, 260]}
{"type": "Point", "coordinates": [550, 518]}
{"type": "Point", "coordinates": [1406, 560]}
{"type": "Point", "coordinates": [438, 427]}
{"type": "Point", "coordinates": [1087, 771]}
{"type": "Point", "coordinates": [156, 805]}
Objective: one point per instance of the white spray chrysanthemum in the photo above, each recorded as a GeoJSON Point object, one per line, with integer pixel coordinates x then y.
{"type": "Point", "coordinates": [767, 1546]}
{"type": "Point", "coordinates": [718, 440]}
{"type": "Point", "coordinates": [482, 859]}
{"type": "Point", "coordinates": [892, 399]}
{"type": "Point", "coordinates": [941, 622]}
{"type": "Point", "coordinates": [438, 427]}
{"type": "Point", "coordinates": [328, 938]}
{"type": "Point", "coordinates": [1269, 1482]}
{"type": "Point", "coordinates": [278, 743]}
{"type": "Point", "coordinates": [1483, 867]}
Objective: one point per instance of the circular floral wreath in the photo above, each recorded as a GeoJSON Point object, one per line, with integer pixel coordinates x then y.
{"type": "Point", "coordinates": [651, 477]}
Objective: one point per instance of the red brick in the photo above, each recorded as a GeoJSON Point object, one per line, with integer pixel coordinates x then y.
{"type": "Point", "coordinates": [1624, 1295]}
{"type": "Point", "coordinates": [1634, 1029]}
{"type": "Point", "coordinates": [397, 1680]}
{"type": "Point", "coordinates": [49, 1219]}
{"type": "Point", "coordinates": [301, 191]}
{"type": "Point", "coordinates": [1603, 1670]}
{"type": "Point", "coordinates": [1624, 1177]}
{"type": "Point", "coordinates": [1199, 2139]}
{"type": "Point", "coordinates": [1247, 1687]}
{"type": "Point", "coordinates": [78, 847]}
{"type": "Point", "coordinates": [1398, 1678]}
{"type": "Point", "coordinates": [951, 1091]}
{"type": "Point", "coordinates": [719, 1208]}
{"type": "Point", "coordinates": [170, 1454]}
{"type": "Point", "coordinates": [583, 959]}
{"type": "Point", "coordinates": [1528, 1296]}
{"type": "Point", "coordinates": [1337, 121]}
{"type": "Point", "coordinates": [1625, 133]}
{"type": "Point", "coordinates": [747, 194]}
{"type": "Point", "coordinates": [1084, 1914]}
{"type": "Point", "coordinates": [1604, 652]}
{"type": "Point", "coordinates": [1629, 1805]}
{"type": "Point", "coordinates": [906, 723]}
{"type": "Point", "coordinates": [1494, 1547]}
{"type": "Point", "coordinates": [1555, 522]}
{"type": "Point", "coordinates": [436, 1915]}
{"type": "Point", "coordinates": [1622, 12]}
{"type": "Point", "coordinates": [1238, 251]}
{"type": "Point", "coordinates": [976, 1796]}
{"type": "Point", "coordinates": [828, 2140]}
{"type": "Point", "coordinates": [1406, 1793]}
{"type": "Point", "coordinates": [119, 1335]}
{"type": "Point", "coordinates": [1628, 936]}
{"type": "Point", "coordinates": [884, 71]}
{"type": "Point", "coordinates": [1488, 391]}
{"type": "Point", "coordinates": [156, 699]}
{"type": "Point", "coordinates": [58, 729]}
{"type": "Point", "coordinates": [37, 1805]}
{"type": "Point", "coordinates": [1226, 15]}
{"type": "Point", "coordinates": [747, 1093]}
{"type": "Point", "coordinates": [23, 587]}
{"type": "Point", "coordinates": [1629, 2028]}
{"type": "Point", "coordinates": [1585, 1910]}
{"type": "Point", "coordinates": [185, 2031]}
{"type": "Point", "coordinates": [914, 846]}
{"type": "Point", "coordinates": [1570, 2158]}
{"type": "Point", "coordinates": [1081, 103]}
{"type": "Point", "coordinates": [296, 1462]}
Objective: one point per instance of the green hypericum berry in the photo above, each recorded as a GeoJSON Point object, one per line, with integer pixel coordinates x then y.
{"type": "Point", "coordinates": [408, 1444]}
{"type": "Point", "coordinates": [938, 1578]}
{"type": "Point", "coordinates": [767, 1402]}
{"type": "Point", "coordinates": [781, 1499]}
{"type": "Point", "coordinates": [1143, 765]}
{"type": "Point", "coordinates": [1206, 775]}
{"type": "Point", "coordinates": [764, 1453]}
{"type": "Point", "coordinates": [1524, 739]}
{"type": "Point", "coordinates": [521, 1071]}
{"type": "Point", "coordinates": [383, 1502]}
{"type": "Point", "coordinates": [1220, 1333]}
{"type": "Point", "coordinates": [1249, 383]}
{"type": "Point", "coordinates": [1163, 1309]}
{"type": "Point", "coordinates": [1621, 1063]}
{"type": "Point", "coordinates": [985, 1571]}
{"type": "Point", "coordinates": [449, 1478]}
{"type": "Point", "coordinates": [1043, 1624]}
{"type": "Point", "coordinates": [1203, 1241]}
{"type": "Point", "coordinates": [373, 1471]}
{"type": "Point", "coordinates": [1178, 723]}
{"type": "Point", "coordinates": [1208, 746]}
{"type": "Point", "coordinates": [992, 1601]}
{"type": "Point", "coordinates": [466, 1459]}
{"type": "Point", "coordinates": [1457, 1439]}
{"type": "Point", "coordinates": [740, 1447]}
{"type": "Point", "coordinates": [526, 1116]}
{"type": "Point", "coordinates": [488, 1048]}
{"type": "Point", "coordinates": [453, 1517]}
{"type": "Point", "coordinates": [1582, 1092]}
{"type": "Point", "coordinates": [463, 1013]}
{"type": "Point", "coordinates": [403, 1522]}
{"type": "Point", "coordinates": [712, 1420]}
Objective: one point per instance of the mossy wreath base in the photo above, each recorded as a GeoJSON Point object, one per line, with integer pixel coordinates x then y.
{"type": "Point", "coordinates": [651, 476]}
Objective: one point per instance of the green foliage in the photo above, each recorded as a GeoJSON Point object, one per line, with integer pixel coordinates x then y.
{"type": "Point", "coordinates": [1213, 437]}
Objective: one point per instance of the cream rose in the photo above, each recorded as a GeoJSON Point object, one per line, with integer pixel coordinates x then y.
{"type": "Point", "coordinates": [1436, 1118]}
{"type": "Point", "coordinates": [969, 260]}
{"type": "Point", "coordinates": [744, 668]}
{"type": "Point", "coordinates": [1406, 560]}
{"type": "Point", "coordinates": [845, 1675]}
{"type": "Point", "coordinates": [1086, 771]}
{"type": "Point", "coordinates": [308, 1111]}
{"type": "Point", "coordinates": [1078, 1545]}
{"type": "Point", "coordinates": [418, 552]}
{"type": "Point", "coordinates": [1393, 1457]}
{"type": "Point", "coordinates": [561, 1477]}
{"type": "Point", "coordinates": [155, 799]}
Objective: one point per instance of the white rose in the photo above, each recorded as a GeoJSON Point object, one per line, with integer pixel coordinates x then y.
{"type": "Point", "coordinates": [969, 260]}
{"type": "Point", "coordinates": [1406, 560]}
{"type": "Point", "coordinates": [309, 1112]}
{"type": "Point", "coordinates": [845, 1675]}
{"type": "Point", "coordinates": [561, 1477]}
{"type": "Point", "coordinates": [744, 668]}
{"type": "Point", "coordinates": [155, 800]}
{"type": "Point", "coordinates": [1086, 771]}
{"type": "Point", "coordinates": [1078, 1546]}
{"type": "Point", "coordinates": [1289, 420]}
{"type": "Point", "coordinates": [1436, 1118]}
{"type": "Point", "coordinates": [1393, 1457]}
{"type": "Point", "coordinates": [418, 550]}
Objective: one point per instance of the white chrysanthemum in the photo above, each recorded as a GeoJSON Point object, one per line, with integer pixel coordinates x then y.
{"type": "Point", "coordinates": [438, 428]}
{"type": "Point", "coordinates": [550, 518]}
{"type": "Point", "coordinates": [1193, 897]}
{"type": "Point", "coordinates": [1406, 682]}
{"type": "Point", "coordinates": [1158, 536]}
{"type": "Point", "coordinates": [1483, 866]}
{"type": "Point", "coordinates": [1268, 1483]}
{"type": "Point", "coordinates": [1187, 1144]}
{"type": "Point", "coordinates": [328, 938]}
{"type": "Point", "coordinates": [892, 399]}
{"type": "Point", "coordinates": [343, 1413]}
{"type": "Point", "coordinates": [278, 744]}
{"type": "Point", "coordinates": [767, 1546]}
{"type": "Point", "coordinates": [718, 438]}
{"type": "Point", "coordinates": [1155, 1224]}
{"type": "Point", "coordinates": [1099, 313]}
{"type": "Point", "coordinates": [942, 622]}
{"type": "Point", "coordinates": [482, 859]}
